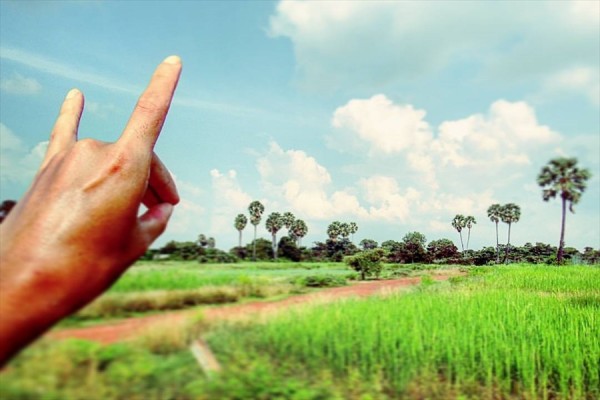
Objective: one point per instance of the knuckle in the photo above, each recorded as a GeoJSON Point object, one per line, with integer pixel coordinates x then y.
{"type": "Point", "coordinates": [151, 103]}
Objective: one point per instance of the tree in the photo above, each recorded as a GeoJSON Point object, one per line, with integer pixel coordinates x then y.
{"type": "Point", "coordinates": [344, 230]}
{"type": "Point", "coordinates": [493, 213]}
{"type": "Point", "coordinates": [414, 247]}
{"type": "Point", "coordinates": [202, 240]}
{"type": "Point", "coordinates": [562, 177]}
{"type": "Point", "coordinates": [353, 228]}
{"type": "Point", "coordinates": [459, 223]}
{"type": "Point", "coordinates": [298, 231]}
{"type": "Point", "coordinates": [366, 263]}
{"type": "Point", "coordinates": [334, 230]}
{"type": "Point", "coordinates": [442, 250]}
{"type": "Point", "coordinates": [368, 244]}
{"type": "Point", "coordinates": [273, 224]}
{"type": "Point", "coordinates": [469, 222]}
{"type": "Point", "coordinates": [288, 220]}
{"type": "Point", "coordinates": [509, 213]}
{"type": "Point", "coordinates": [256, 209]}
{"type": "Point", "coordinates": [240, 223]}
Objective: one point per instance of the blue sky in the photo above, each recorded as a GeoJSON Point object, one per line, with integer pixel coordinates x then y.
{"type": "Point", "coordinates": [395, 115]}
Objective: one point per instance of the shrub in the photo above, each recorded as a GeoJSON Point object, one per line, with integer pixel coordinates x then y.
{"type": "Point", "coordinates": [366, 263]}
{"type": "Point", "coordinates": [321, 281]}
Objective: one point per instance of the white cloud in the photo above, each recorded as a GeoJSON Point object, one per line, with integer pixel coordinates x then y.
{"type": "Point", "coordinates": [502, 136]}
{"type": "Point", "coordinates": [581, 80]}
{"type": "Point", "coordinates": [18, 162]}
{"type": "Point", "coordinates": [371, 44]}
{"type": "Point", "coordinates": [229, 200]}
{"type": "Point", "coordinates": [505, 136]}
{"type": "Point", "coordinates": [386, 127]}
{"type": "Point", "coordinates": [19, 84]}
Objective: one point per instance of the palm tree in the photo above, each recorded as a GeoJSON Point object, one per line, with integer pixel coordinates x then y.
{"type": "Point", "coordinates": [288, 220]}
{"type": "Point", "coordinates": [298, 231]}
{"type": "Point", "coordinates": [239, 224]}
{"type": "Point", "coordinates": [509, 213]}
{"type": "Point", "coordinates": [459, 223]}
{"type": "Point", "coordinates": [344, 230]}
{"type": "Point", "coordinates": [469, 222]}
{"type": "Point", "coordinates": [256, 210]}
{"type": "Point", "coordinates": [334, 230]}
{"type": "Point", "coordinates": [273, 224]}
{"type": "Point", "coordinates": [562, 175]}
{"type": "Point", "coordinates": [493, 213]}
{"type": "Point", "coordinates": [353, 229]}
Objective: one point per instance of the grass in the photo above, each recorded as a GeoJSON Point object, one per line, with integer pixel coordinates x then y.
{"type": "Point", "coordinates": [161, 286]}
{"type": "Point", "coordinates": [527, 332]}
{"type": "Point", "coordinates": [517, 332]}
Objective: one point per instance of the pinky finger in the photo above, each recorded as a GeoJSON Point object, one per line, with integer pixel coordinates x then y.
{"type": "Point", "coordinates": [64, 133]}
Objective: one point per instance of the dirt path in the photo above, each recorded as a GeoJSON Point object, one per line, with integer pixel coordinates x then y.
{"type": "Point", "coordinates": [132, 327]}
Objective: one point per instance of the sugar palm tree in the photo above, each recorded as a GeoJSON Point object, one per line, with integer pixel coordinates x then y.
{"type": "Point", "coordinates": [353, 227]}
{"type": "Point", "coordinates": [256, 209]}
{"type": "Point", "coordinates": [469, 222]}
{"type": "Point", "coordinates": [288, 220]}
{"type": "Point", "coordinates": [239, 224]}
{"type": "Point", "coordinates": [299, 230]}
{"type": "Point", "coordinates": [562, 177]}
{"type": "Point", "coordinates": [273, 224]}
{"type": "Point", "coordinates": [459, 223]}
{"type": "Point", "coordinates": [334, 230]}
{"type": "Point", "coordinates": [493, 214]}
{"type": "Point", "coordinates": [509, 213]}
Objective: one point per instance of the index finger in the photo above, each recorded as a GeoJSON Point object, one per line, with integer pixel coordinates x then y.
{"type": "Point", "coordinates": [150, 112]}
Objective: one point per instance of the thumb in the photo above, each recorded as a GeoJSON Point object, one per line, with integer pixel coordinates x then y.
{"type": "Point", "coordinates": [152, 224]}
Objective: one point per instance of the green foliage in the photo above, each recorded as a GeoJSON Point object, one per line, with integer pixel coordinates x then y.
{"type": "Point", "coordinates": [366, 263]}
{"type": "Point", "coordinates": [262, 248]}
{"type": "Point", "coordinates": [368, 244]}
{"type": "Point", "coordinates": [333, 250]}
{"type": "Point", "coordinates": [467, 341]}
{"type": "Point", "coordinates": [288, 250]}
{"type": "Point", "coordinates": [326, 280]}
{"type": "Point", "coordinates": [216, 256]}
{"type": "Point", "coordinates": [442, 251]}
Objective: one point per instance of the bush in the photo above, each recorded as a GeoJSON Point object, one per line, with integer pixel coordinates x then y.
{"type": "Point", "coordinates": [321, 281]}
{"type": "Point", "coordinates": [366, 263]}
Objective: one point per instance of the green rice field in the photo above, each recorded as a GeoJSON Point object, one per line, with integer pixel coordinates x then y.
{"type": "Point", "coordinates": [509, 332]}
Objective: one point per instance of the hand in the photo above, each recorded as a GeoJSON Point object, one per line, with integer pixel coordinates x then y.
{"type": "Point", "coordinates": [77, 228]}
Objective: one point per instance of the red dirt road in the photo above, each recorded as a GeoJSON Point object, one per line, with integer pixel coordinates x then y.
{"type": "Point", "coordinates": [132, 327]}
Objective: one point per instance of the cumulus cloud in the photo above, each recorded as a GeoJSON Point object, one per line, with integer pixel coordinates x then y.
{"type": "Point", "coordinates": [19, 84]}
{"type": "Point", "coordinates": [502, 136]}
{"type": "Point", "coordinates": [371, 44]}
{"type": "Point", "coordinates": [386, 126]}
{"type": "Point", "coordinates": [18, 162]}
{"type": "Point", "coordinates": [229, 200]}
{"type": "Point", "coordinates": [297, 181]}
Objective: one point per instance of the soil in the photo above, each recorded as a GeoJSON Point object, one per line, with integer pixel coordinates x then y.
{"type": "Point", "coordinates": [132, 327]}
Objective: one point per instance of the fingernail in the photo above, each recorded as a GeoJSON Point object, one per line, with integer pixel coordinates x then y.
{"type": "Point", "coordinates": [72, 93]}
{"type": "Point", "coordinates": [172, 60]}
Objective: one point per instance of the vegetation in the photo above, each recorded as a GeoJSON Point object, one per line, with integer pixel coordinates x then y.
{"type": "Point", "coordinates": [494, 212]}
{"type": "Point", "coordinates": [459, 224]}
{"type": "Point", "coordinates": [256, 210]}
{"type": "Point", "coordinates": [509, 213]}
{"type": "Point", "coordinates": [563, 177]}
{"type": "Point", "coordinates": [446, 342]}
{"type": "Point", "coordinates": [240, 223]}
{"type": "Point", "coordinates": [462, 339]}
{"type": "Point", "coordinates": [366, 263]}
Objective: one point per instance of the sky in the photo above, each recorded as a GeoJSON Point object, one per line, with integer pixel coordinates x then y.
{"type": "Point", "coordinates": [394, 115]}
